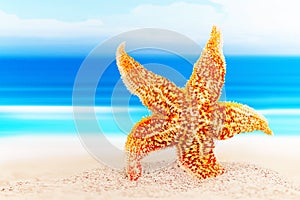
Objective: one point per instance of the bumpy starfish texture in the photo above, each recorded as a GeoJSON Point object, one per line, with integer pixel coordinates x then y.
{"type": "Point", "coordinates": [189, 118]}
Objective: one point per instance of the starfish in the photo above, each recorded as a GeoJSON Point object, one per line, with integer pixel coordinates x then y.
{"type": "Point", "coordinates": [189, 118]}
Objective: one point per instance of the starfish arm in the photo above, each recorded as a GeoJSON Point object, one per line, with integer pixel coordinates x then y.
{"type": "Point", "coordinates": [208, 76]}
{"type": "Point", "coordinates": [150, 134]}
{"type": "Point", "coordinates": [240, 118]}
{"type": "Point", "coordinates": [199, 159]}
{"type": "Point", "coordinates": [156, 92]}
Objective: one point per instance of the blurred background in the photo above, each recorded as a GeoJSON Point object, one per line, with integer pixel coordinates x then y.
{"type": "Point", "coordinates": [43, 44]}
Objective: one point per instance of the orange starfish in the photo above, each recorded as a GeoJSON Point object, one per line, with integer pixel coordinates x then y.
{"type": "Point", "coordinates": [188, 118]}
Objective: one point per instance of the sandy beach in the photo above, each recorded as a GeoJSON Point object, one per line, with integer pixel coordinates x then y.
{"type": "Point", "coordinates": [58, 167]}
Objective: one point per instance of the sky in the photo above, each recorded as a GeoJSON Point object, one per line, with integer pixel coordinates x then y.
{"type": "Point", "coordinates": [255, 27]}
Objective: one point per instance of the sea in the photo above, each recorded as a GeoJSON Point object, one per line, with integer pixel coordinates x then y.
{"type": "Point", "coordinates": [37, 93]}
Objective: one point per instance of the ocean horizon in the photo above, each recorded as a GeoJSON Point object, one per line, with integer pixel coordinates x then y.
{"type": "Point", "coordinates": [37, 92]}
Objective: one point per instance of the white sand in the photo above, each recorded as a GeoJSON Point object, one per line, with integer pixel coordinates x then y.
{"type": "Point", "coordinates": [60, 168]}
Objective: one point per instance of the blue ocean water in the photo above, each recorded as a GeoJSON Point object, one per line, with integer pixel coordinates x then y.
{"type": "Point", "coordinates": [36, 92]}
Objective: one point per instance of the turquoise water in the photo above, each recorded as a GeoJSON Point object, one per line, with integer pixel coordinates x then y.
{"type": "Point", "coordinates": [36, 93]}
{"type": "Point", "coordinates": [51, 120]}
